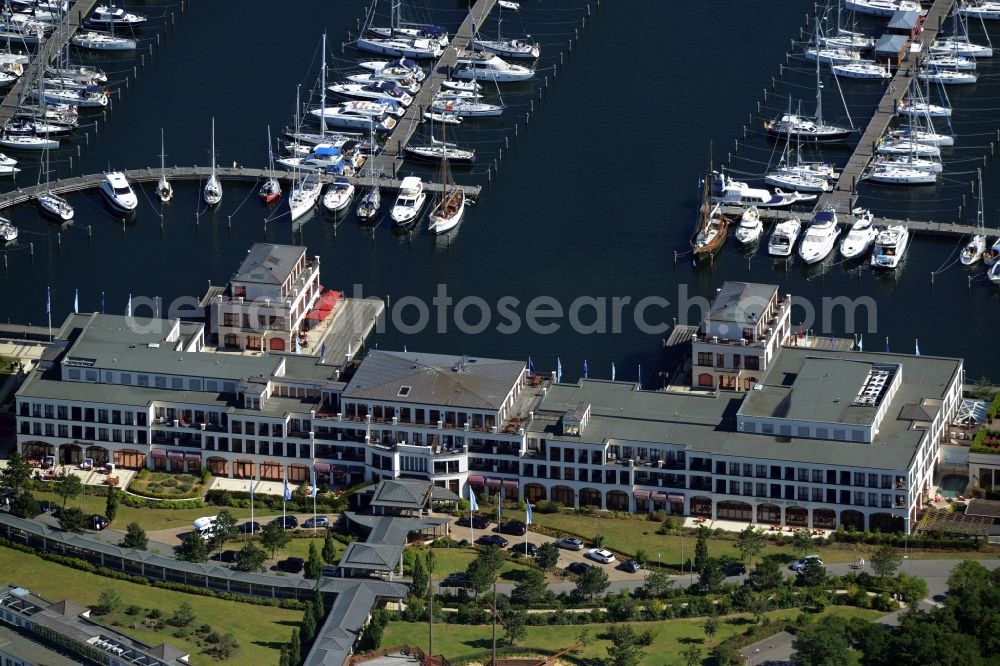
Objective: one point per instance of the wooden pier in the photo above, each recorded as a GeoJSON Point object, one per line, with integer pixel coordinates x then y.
{"type": "Point", "coordinates": [199, 173]}
{"type": "Point", "coordinates": [843, 196]}
{"type": "Point", "coordinates": [391, 159]}
{"type": "Point", "coordinates": [43, 57]}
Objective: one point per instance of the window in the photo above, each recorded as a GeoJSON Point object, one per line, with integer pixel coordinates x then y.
{"type": "Point", "coordinates": [102, 416]}
{"type": "Point", "coordinates": [64, 431]}
{"type": "Point", "coordinates": [734, 469]}
{"type": "Point", "coordinates": [859, 498]}
{"type": "Point", "coordinates": [736, 361]}
{"type": "Point", "coordinates": [761, 490]}
{"type": "Point", "coordinates": [767, 428]}
{"type": "Point", "coordinates": [872, 499]}
{"type": "Point", "coordinates": [734, 487]}
{"type": "Point", "coordinates": [747, 488]}
{"type": "Point", "coordinates": [705, 358]}
{"type": "Point", "coordinates": [176, 383]}
{"type": "Point", "coordinates": [74, 373]}
{"type": "Point", "coordinates": [231, 340]}
{"type": "Point", "coordinates": [195, 384]}
{"type": "Point", "coordinates": [753, 362]}
{"type": "Point", "coordinates": [705, 379]}
{"type": "Point", "coordinates": [125, 378]}
{"type": "Point", "coordinates": [720, 360]}
{"type": "Point", "coordinates": [143, 380]}
{"type": "Point", "coordinates": [859, 479]}
{"type": "Point", "coordinates": [404, 391]}
{"type": "Point", "coordinates": [50, 430]}
{"type": "Point", "coordinates": [49, 411]}
{"type": "Point", "coordinates": [61, 414]}
{"type": "Point", "coordinates": [760, 471]}
{"type": "Point", "coordinates": [161, 382]}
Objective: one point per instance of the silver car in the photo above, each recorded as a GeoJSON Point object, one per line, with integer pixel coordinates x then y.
{"type": "Point", "coordinates": [570, 543]}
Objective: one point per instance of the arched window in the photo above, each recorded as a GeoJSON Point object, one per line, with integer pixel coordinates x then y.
{"type": "Point", "coordinates": [705, 379]}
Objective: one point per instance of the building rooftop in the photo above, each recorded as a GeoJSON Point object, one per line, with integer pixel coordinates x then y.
{"type": "Point", "coordinates": [267, 263]}
{"type": "Point", "coordinates": [402, 494]}
{"type": "Point", "coordinates": [31, 651]}
{"type": "Point", "coordinates": [741, 302]}
{"type": "Point", "coordinates": [434, 379]}
{"type": "Point", "coordinates": [371, 556]}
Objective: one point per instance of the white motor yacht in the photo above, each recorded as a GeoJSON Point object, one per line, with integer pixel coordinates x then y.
{"type": "Point", "coordinates": [109, 15]}
{"type": "Point", "coordinates": [890, 246]}
{"type": "Point", "coordinates": [338, 195]}
{"type": "Point", "coordinates": [404, 68]}
{"type": "Point", "coordinates": [409, 202]}
{"type": "Point", "coordinates": [994, 274]}
{"type": "Point", "coordinates": [354, 118]}
{"type": "Point", "coordinates": [304, 194]}
{"type": "Point", "coordinates": [860, 236]}
{"type": "Point", "coordinates": [375, 90]}
{"type": "Point", "coordinates": [750, 228]}
{"type": "Point", "coordinates": [725, 190]}
{"type": "Point", "coordinates": [783, 237]}
{"type": "Point", "coordinates": [98, 41]}
{"type": "Point", "coordinates": [899, 174]}
{"type": "Point", "coordinates": [991, 255]}
{"type": "Point", "coordinates": [8, 232]}
{"type": "Point", "coordinates": [987, 10]}
{"type": "Point", "coordinates": [411, 86]}
{"type": "Point", "coordinates": [446, 118]}
{"type": "Point", "coordinates": [973, 250]}
{"type": "Point", "coordinates": [118, 192]}
{"type": "Point", "coordinates": [469, 86]}
{"type": "Point", "coordinates": [8, 165]}
{"type": "Point", "coordinates": [862, 69]}
{"type": "Point", "coordinates": [490, 67]}
{"type": "Point", "coordinates": [947, 77]}
{"type": "Point", "coordinates": [883, 8]}
{"type": "Point", "coordinates": [465, 108]}
{"type": "Point", "coordinates": [820, 237]}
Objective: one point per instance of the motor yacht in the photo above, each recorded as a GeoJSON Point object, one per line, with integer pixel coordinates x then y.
{"type": "Point", "coordinates": [860, 236]}
{"type": "Point", "coordinates": [890, 246]}
{"type": "Point", "coordinates": [118, 192]}
{"type": "Point", "coordinates": [820, 237]}
{"type": "Point", "coordinates": [783, 237]}
{"type": "Point", "coordinates": [409, 202]}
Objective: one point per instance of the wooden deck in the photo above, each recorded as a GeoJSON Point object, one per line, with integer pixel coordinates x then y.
{"type": "Point", "coordinates": [391, 159]}
{"type": "Point", "coordinates": [928, 227]}
{"type": "Point", "coordinates": [843, 196]}
{"type": "Point", "coordinates": [44, 55]}
{"type": "Point", "coordinates": [150, 175]}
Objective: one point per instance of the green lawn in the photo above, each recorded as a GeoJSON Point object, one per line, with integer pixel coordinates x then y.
{"type": "Point", "coordinates": [453, 560]}
{"type": "Point", "coordinates": [259, 629]}
{"type": "Point", "coordinates": [150, 519]}
{"type": "Point", "coordinates": [464, 642]}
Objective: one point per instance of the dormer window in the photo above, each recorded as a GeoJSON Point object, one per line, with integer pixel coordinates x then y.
{"type": "Point", "coordinates": [575, 420]}
{"type": "Point", "coordinates": [404, 391]}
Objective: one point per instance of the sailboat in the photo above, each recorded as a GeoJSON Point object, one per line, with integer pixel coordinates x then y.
{"type": "Point", "coordinates": [448, 212]}
{"type": "Point", "coordinates": [507, 48]}
{"type": "Point", "coordinates": [164, 189]}
{"type": "Point", "coordinates": [51, 203]}
{"type": "Point", "coordinates": [270, 191]}
{"type": "Point", "coordinates": [801, 128]}
{"type": "Point", "coordinates": [213, 188]}
{"type": "Point", "coordinates": [712, 227]}
{"type": "Point", "coordinates": [974, 249]}
{"type": "Point", "coordinates": [371, 200]}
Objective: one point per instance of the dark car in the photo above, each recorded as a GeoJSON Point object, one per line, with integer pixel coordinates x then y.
{"type": "Point", "coordinates": [528, 549]}
{"type": "Point", "coordinates": [329, 571]}
{"type": "Point", "coordinates": [46, 506]}
{"type": "Point", "coordinates": [291, 565]}
{"type": "Point", "coordinates": [735, 569]}
{"type": "Point", "coordinates": [456, 579]}
{"type": "Point", "coordinates": [318, 521]}
{"type": "Point", "coordinates": [515, 527]}
{"type": "Point", "coordinates": [630, 566]}
{"type": "Point", "coordinates": [476, 522]}
{"type": "Point", "coordinates": [288, 522]}
{"type": "Point", "coordinates": [578, 568]}
{"type": "Point", "coordinates": [227, 556]}
{"type": "Point", "coordinates": [492, 540]}
{"type": "Point", "coordinates": [98, 522]}
{"type": "Point", "coordinates": [249, 527]}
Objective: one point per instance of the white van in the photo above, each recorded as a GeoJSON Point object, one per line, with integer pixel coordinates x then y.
{"type": "Point", "coordinates": [204, 526]}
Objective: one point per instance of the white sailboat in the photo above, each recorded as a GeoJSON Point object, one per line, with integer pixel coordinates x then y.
{"type": "Point", "coordinates": [270, 191]}
{"type": "Point", "coordinates": [883, 8]}
{"type": "Point", "coordinates": [860, 236]}
{"type": "Point", "coordinates": [447, 213]}
{"type": "Point", "coordinates": [507, 48]}
{"type": "Point", "coordinates": [164, 189]}
{"type": "Point", "coordinates": [973, 250]}
{"type": "Point", "coordinates": [8, 165]}
{"type": "Point", "coordinates": [947, 77]}
{"type": "Point", "coordinates": [725, 190]}
{"type": "Point", "coordinates": [862, 69]}
{"type": "Point", "coordinates": [986, 10]}
{"type": "Point", "coordinates": [51, 203]}
{"type": "Point", "coordinates": [8, 232]}
{"type": "Point", "coordinates": [304, 195]}
{"type": "Point", "coordinates": [213, 188]}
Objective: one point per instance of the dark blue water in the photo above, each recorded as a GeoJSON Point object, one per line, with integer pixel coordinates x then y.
{"type": "Point", "coordinates": [593, 196]}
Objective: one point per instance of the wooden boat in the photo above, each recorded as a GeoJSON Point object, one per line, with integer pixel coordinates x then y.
{"type": "Point", "coordinates": [710, 233]}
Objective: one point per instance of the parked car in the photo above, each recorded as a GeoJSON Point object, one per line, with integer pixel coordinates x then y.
{"type": "Point", "coordinates": [570, 543]}
{"type": "Point", "coordinates": [630, 566]}
{"type": "Point", "coordinates": [98, 522]}
{"type": "Point", "coordinates": [316, 521]}
{"type": "Point", "coordinates": [329, 571]}
{"type": "Point", "coordinates": [601, 555]}
{"type": "Point", "coordinates": [455, 579]}
{"type": "Point", "coordinates": [798, 565]}
{"type": "Point", "coordinates": [249, 527]}
{"type": "Point", "coordinates": [228, 556]}
{"type": "Point", "coordinates": [46, 506]}
{"type": "Point", "coordinates": [492, 540]}
{"type": "Point", "coordinates": [514, 527]}
{"type": "Point", "coordinates": [734, 569]}
{"type": "Point", "coordinates": [524, 548]}
{"type": "Point", "coordinates": [476, 522]}
{"type": "Point", "coordinates": [291, 565]}
{"type": "Point", "coordinates": [578, 567]}
{"type": "Point", "coordinates": [288, 522]}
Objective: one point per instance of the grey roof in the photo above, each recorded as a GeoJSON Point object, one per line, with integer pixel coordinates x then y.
{"type": "Point", "coordinates": [449, 381]}
{"type": "Point", "coordinates": [371, 557]}
{"type": "Point", "coordinates": [442, 494]}
{"type": "Point", "coordinates": [891, 44]}
{"type": "Point", "coordinates": [706, 423]}
{"type": "Point", "coordinates": [25, 647]}
{"type": "Point", "coordinates": [402, 494]}
{"type": "Point", "coordinates": [982, 507]}
{"type": "Point", "coordinates": [903, 19]}
{"type": "Point", "coordinates": [741, 302]}
{"type": "Point", "coordinates": [268, 263]}
{"type": "Point", "coordinates": [348, 615]}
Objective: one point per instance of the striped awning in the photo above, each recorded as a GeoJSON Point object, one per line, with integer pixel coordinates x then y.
{"type": "Point", "coordinates": [192, 457]}
{"type": "Point", "coordinates": [477, 479]}
{"type": "Point", "coordinates": [510, 484]}
{"type": "Point", "coordinates": [175, 455]}
{"type": "Point", "coordinates": [675, 498]}
{"type": "Point", "coordinates": [493, 483]}
{"type": "Point", "coordinates": [659, 497]}
{"type": "Point", "coordinates": [641, 494]}
{"type": "Point", "coordinates": [158, 453]}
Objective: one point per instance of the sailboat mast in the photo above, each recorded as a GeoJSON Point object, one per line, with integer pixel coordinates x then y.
{"type": "Point", "coordinates": [322, 91]}
{"type": "Point", "coordinates": [213, 146]}
{"type": "Point", "coordinates": [819, 84]}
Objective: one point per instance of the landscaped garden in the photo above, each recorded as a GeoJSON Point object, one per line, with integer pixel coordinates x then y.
{"type": "Point", "coordinates": [165, 485]}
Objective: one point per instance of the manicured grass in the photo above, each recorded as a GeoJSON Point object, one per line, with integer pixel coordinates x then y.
{"type": "Point", "coordinates": [166, 485]}
{"type": "Point", "coordinates": [150, 519]}
{"type": "Point", "coordinates": [465, 642]}
{"type": "Point", "coordinates": [259, 630]}
{"type": "Point", "coordinates": [453, 560]}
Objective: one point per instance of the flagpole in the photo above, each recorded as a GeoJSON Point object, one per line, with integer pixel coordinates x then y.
{"type": "Point", "coordinates": [251, 506]}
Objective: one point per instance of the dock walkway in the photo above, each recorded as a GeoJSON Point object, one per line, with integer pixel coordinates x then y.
{"type": "Point", "coordinates": [391, 159]}
{"type": "Point", "coordinates": [843, 195]}
{"type": "Point", "coordinates": [44, 55]}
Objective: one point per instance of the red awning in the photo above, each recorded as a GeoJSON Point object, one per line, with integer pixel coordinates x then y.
{"type": "Point", "coordinates": [675, 498]}
{"type": "Point", "coordinates": [328, 300]}
{"type": "Point", "coordinates": [510, 484]}
{"type": "Point", "coordinates": [659, 496]}
{"type": "Point", "coordinates": [493, 483]}
{"type": "Point", "coordinates": [322, 467]}
{"type": "Point", "coordinates": [477, 480]}
{"type": "Point", "coordinates": [318, 315]}
{"type": "Point", "coordinates": [641, 494]}
{"type": "Point", "coordinates": [158, 453]}
{"type": "Point", "coordinates": [192, 456]}
{"type": "Point", "coordinates": [175, 455]}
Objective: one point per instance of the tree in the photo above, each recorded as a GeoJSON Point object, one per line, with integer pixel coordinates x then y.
{"type": "Point", "coordinates": [111, 506]}
{"type": "Point", "coordinates": [530, 589]}
{"type": "Point", "coordinates": [592, 582]}
{"type": "Point", "coordinates": [273, 537]}
{"type": "Point", "coordinates": [711, 625]}
{"type": "Point", "coordinates": [295, 648]}
{"type": "Point", "coordinates": [482, 571]}
{"type": "Point", "coordinates": [885, 560]}
{"type": "Point", "coordinates": [822, 645]}
{"type": "Point", "coordinates": [420, 578]}
{"type": "Point", "coordinates": [701, 549]}
{"type": "Point", "coordinates": [371, 637]}
{"type": "Point", "coordinates": [314, 564]}
{"type": "Point", "coordinates": [750, 542]}
{"type": "Point", "coordinates": [767, 574]}
{"type": "Point", "coordinates": [67, 486]}
{"type": "Point", "coordinates": [982, 389]}
{"type": "Point", "coordinates": [802, 542]}
{"type": "Point", "coordinates": [73, 520]}
{"type": "Point", "coordinates": [514, 626]}
{"type": "Point", "coordinates": [598, 541]}
{"type": "Point", "coordinates": [657, 583]}
{"type": "Point", "coordinates": [250, 558]}
{"type": "Point", "coordinates": [622, 607]}
{"type": "Point", "coordinates": [692, 655]}
{"type": "Point", "coordinates": [223, 529]}
{"type": "Point", "coordinates": [640, 556]}
{"type": "Point", "coordinates": [547, 556]}
{"type": "Point", "coordinates": [192, 548]}
{"type": "Point", "coordinates": [108, 602]}
{"type": "Point", "coordinates": [308, 628]}
{"type": "Point", "coordinates": [135, 537]}
{"type": "Point", "coordinates": [317, 607]}
{"type": "Point", "coordinates": [183, 616]}
{"type": "Point", "coordinates": [17, 473]}
{"type": "Point", "coordinates": [25, 506]}
{"type": "Point", "coordinates": [624, 649]}
{"type": "Point", "coordinates": [283, 659]}
{"type": "Point", "coordinates": [329, 548]}
{"type": "Point", "coordinates": [226, 647]}
{"type": "Point", "coordinates": [812, 573]}
{"type": "Point", "coordinates": [712, 575]}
